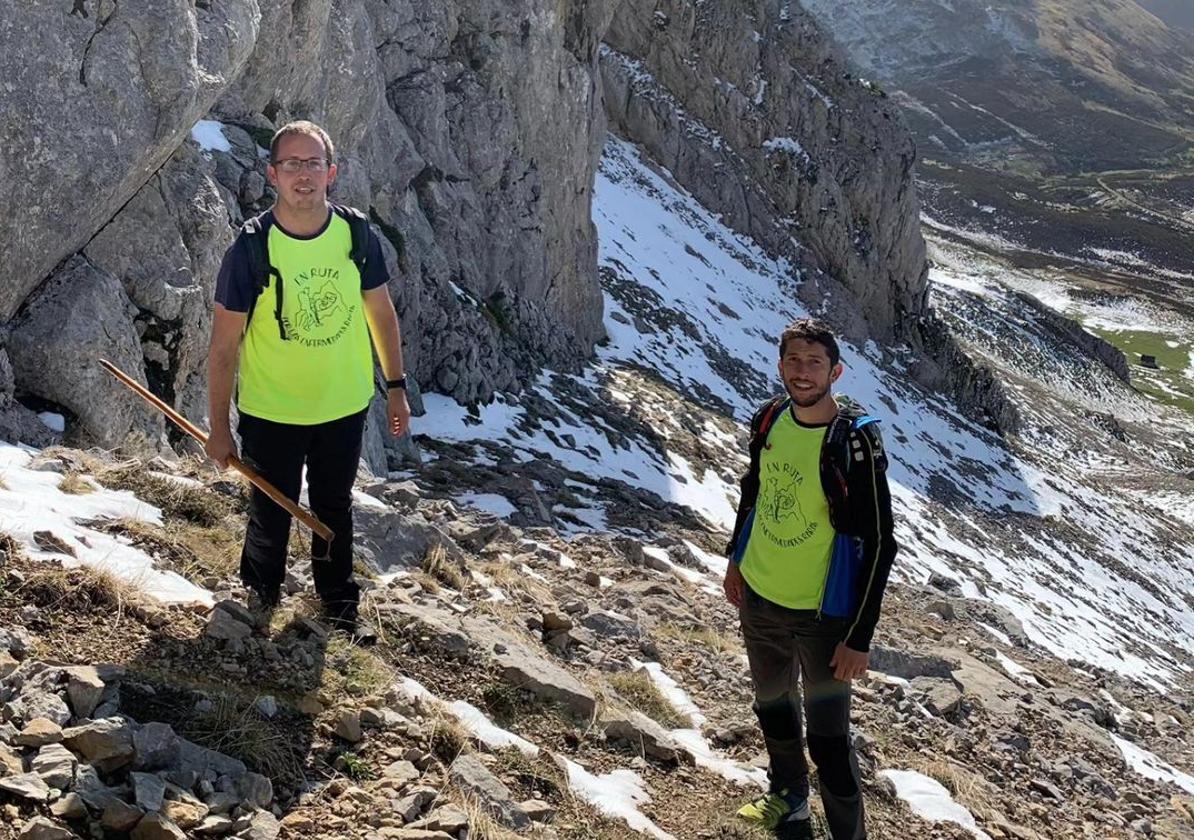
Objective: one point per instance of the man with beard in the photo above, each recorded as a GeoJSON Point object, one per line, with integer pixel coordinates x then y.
{"type": "Point", "coordinates": [809, 560]}
{"type": "Point", "coordinates": [300, 294]}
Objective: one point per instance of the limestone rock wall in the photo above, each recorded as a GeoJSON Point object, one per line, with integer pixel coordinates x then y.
{"type": "Point", "coordinates": [751, 107]}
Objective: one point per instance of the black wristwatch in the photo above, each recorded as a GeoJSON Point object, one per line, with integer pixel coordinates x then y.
{"type": "Point", "coordinates": [400, 382]}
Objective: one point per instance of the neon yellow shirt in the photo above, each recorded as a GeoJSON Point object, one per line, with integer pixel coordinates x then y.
{"type": "Point", "coordinates": [324, 371]}
{"type": "Point", "coordinates": [791, 540]}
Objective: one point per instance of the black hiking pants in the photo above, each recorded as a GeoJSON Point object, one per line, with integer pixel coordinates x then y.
{"type": "Point", "coordinates": [331, 453]}
{"type": "Point", "coordinates": [790, 650]}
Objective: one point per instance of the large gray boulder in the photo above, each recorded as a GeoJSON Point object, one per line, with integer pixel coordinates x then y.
{"type": "Point", "coordinates": [97, 96]}
{"type": "Point", "coordinates": [78, 317]}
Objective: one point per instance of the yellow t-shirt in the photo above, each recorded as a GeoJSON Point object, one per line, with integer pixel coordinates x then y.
{"type": "Point", "coordinates": [791, 539]}
{"type": "Point", "coordinates": [324, 370]}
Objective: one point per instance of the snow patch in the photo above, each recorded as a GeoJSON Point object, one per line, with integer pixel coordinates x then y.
{"type": "Point", "coordinates": [53, 422]}
{"type": "Point", "coordinates": [209, 134]}
{"type": "Point", "coordinates": [617, 794]}
{"type": "Point", "coordinates": [487, 732]}
{"type": "Point", "coordinates": [929, 799]}
{"type": "Point", "coordinates": [493, 503]}
{"type": "Point", "coordinates": [1151, 767]}
{"type": "Point", "coordinates": [30, 501]}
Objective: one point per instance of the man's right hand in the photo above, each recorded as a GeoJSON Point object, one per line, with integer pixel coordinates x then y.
{"type": "Point", "coordinates": [734, 585]}
{"type": "Point", "coordinates": [220, 447]}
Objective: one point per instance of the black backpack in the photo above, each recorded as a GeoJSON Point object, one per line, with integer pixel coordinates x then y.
{"type": "Point", "coordinates": [256, 235]}
{"type": "Point", "coordinates": [836, 453]}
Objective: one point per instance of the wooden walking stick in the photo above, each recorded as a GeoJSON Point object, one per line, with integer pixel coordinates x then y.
{"type": "Point", "coordinates": [302, 515]}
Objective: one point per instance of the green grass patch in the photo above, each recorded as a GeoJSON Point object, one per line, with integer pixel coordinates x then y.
{"type": "Point", "coordinates": [1169, 383]}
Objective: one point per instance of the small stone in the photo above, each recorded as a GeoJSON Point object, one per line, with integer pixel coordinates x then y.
{"type": "Point", "coordinates": [84, 689]}
{"type": "Point", "coordinates": [28, 786]}
{"type": "Point", "coordinates": [257, 790]}
{"type": "Point", "coordinates": [40, 828]}
{"type": "Point", "coordinates": [262, 826]}
{"type": "Point", "coordinates": [8, 664]}
{"type": "Point", "coordinates": [51, 542]}
{"type": "Point", "coordinates": [214, 825]}
{"type": "Point", "coordinates": [448, 819]}
{"type": "Point", "coordinates": [11, 763]}
{"type": "Point", "coordinates": [157, 827]}
{"type": "Point", "coordinates": [69, 807]}
{"type": "Point", "coordinates": [1048, 789]}
{"type": "Point", "coordinates": [267, 707]}
{"type": "Point", "coordinates": [185, 813]}
{"type": "Point", "coordinates": [149, 791]}
{"type": "Point", "coordinates": [538, 810]}
{"type": "Point", "coordinates": [348, 726]}
{"type": "Point", "coordinates": [56, 766]}
{"type": "Point", "coordinates": [553, 621]}
{"type": "Point", "coordinates": [402, 772]}
{"type": "Point", "coordinates": [410, 807]}
{"type": "Point", "coordinates": [156, 746]}
{"type": "Point", "coordinates": [222, 625]}
{"type": "Point", "coordinates": [39, 732]}
{"type": "Point", "coordinates": [108, 741]}
{"type": "Point", "coordinates": [120, 816]}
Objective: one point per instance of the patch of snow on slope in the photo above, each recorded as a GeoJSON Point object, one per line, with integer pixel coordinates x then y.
{"type": "Point", "coordinates": [30, 501]}
{"type": "Point", "coordinates": [617, 794]}
{"type": "Point", "coordinates": [929, 799]}
{"type": "Point", "coordinates": [494, 503]}
{"type": "Point", "coordinates": [1151, 767]}
{"type": "Point", "coordinates": [487, 732]}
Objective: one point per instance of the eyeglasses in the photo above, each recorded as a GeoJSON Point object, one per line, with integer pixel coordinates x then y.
{"type": "Point", "coordinates": [294, 165]}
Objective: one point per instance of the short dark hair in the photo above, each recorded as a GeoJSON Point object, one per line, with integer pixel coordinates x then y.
{"type": "Point", "coordinates": [306, 127]}
{"type": "Point", "coordinates": [811, 329]}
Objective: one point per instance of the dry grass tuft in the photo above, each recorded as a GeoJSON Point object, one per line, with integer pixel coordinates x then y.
{"type": "Point", "coordinates": [706, 636]}
{"type": "Point", "coordinates": [481, 825]}
{"type": "Point", "coordinates": [448, 738]}
{"type": "Point", "coordinates": [352, 670]}
{"type": "Point", "coordinates": [237, 730]}
{"type": "Point", "coordinates": [196, 552]}
{"type": "Point", "coordinates": [75, 484]}
{"type": "Point", "coordinates": [441, 568]}
{"type": "Point", "coordinates": [970, 789]}
{"type": "Point", "coordinates": [81, 588]}
{"type": "Point", "coordinates": [637, 689]}
{"type": "Point", "coordinates": [176, 499]}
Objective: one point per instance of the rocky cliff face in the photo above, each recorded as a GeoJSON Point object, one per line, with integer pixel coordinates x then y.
{"type": "Point", "coordinates": [469, 130]}
{"type": "Point", "coordinates": [750, 107]}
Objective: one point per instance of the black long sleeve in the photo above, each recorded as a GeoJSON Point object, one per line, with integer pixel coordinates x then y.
{"type": "Point", "coordinates": [871, 500]}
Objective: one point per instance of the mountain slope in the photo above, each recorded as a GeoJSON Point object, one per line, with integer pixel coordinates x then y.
{"type": "Point", "coordinates": [1026, 85]}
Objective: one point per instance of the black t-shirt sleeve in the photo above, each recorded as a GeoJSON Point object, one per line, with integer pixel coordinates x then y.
{"type": "Point", "coordinates": [375, 265]}
{"type": "Point", "coordinates": [234, 283]}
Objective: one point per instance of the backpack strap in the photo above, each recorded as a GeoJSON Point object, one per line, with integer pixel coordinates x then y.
{"type": "Point", "coordinates": [358, 225]}
{"type": "Point", "coordinates": [256, 234]}
{"type": "Point", "coordinates": [836, 453]}
{"type": "Point", "coordinates": [765, 418]}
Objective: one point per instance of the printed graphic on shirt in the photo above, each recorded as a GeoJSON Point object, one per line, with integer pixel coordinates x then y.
{"type": "Point", "coordinates": [780, 514]}
{"type": "Point", "coordinates": [321, 317]}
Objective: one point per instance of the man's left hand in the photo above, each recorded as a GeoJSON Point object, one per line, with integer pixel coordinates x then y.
{"type": "Point", "coordinates": [398, 411]}
{"type": "Point", "coordinates": [848, 664]}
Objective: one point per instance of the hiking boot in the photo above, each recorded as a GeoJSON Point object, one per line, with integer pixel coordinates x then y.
{"type": "Point", "coordinates": [343, 617]}
{"type": "Point", "coordinates": [772, 809]}
{"type": "Point", "coordinates": [262, 604]}
{"type": "Point", "coordinates": [797, 829]}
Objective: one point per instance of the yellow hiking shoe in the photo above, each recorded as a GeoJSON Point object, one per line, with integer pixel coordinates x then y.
{"type": "Point", "coordinates": [771, 809]}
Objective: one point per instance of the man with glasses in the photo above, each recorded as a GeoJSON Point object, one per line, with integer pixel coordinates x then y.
{"type": "Point", "coordinates": [305, 374]}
